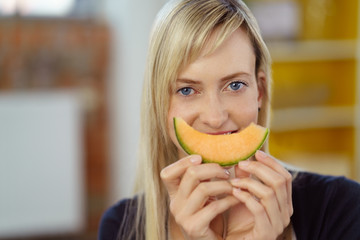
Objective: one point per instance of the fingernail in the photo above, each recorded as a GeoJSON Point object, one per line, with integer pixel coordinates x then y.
{"type": "Point", "coordinates": [227, 172]}
{"type": "Point", "coordinates": [235, 181]}
{"type": "Point", "coordinates": [244, 163]}
{"type": "Point", "coordinates": [261, 154]}
{"type": "Point", "coordinates": [195, 159]}
{"type": "Point", "coordinates": [236, 191]}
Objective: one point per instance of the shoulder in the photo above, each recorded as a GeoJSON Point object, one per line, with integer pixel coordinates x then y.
{"type": "Point", "coordinates": [311, 190]}
{"type": "Point", "coordinates": [122, 212]}
{"type": "Point", "coordinates": [326, 206]}
{"type": "Point", "coordinates": [303, 179]}
{"type": "Point", "coordinates": [319, 186]}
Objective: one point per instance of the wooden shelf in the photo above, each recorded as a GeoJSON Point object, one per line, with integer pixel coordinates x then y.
{"type": "Point", "coordinates": [65, 54]}
{"type": "Point", "coordinates": [316, 50]}
{"type": "Point", "coordinates": [302, 118]}
{"type": "Point", "coordinates": [316, 84]}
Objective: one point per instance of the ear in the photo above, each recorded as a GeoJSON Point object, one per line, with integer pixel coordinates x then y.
{"type": "Point", "coordinates": [261, 83]}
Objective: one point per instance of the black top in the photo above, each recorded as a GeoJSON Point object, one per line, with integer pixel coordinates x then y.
{"type": "Point", "coordinates": [325, 207]}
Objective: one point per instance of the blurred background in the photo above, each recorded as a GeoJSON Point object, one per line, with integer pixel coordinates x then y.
{"type": "Point", "coordinates": [70, 83]}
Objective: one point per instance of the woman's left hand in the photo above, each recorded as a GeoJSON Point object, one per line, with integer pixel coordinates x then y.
{"type": "Point", "coordinates": [264, 189]}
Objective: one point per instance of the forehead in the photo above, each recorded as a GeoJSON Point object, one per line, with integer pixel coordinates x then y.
{"type": "Point", "coordinates": [216, 41]}
{"type": "Point", "coordinates": [233, 55]}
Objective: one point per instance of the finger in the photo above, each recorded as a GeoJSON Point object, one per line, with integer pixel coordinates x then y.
{"type": "Point", "coordinates": [274, 179]}
{"type": "Point", "coordinates": [213, 209]}
{"type": "Point", "coordinates": [204, 172]}
{"type": "Point", "coordinates": [239, 173]}
{"type": "Point", "coordinates": [274, 164]}
{"type": "Point", "coordinates": [204, 191]}
{"type": "Point", "coordinates": [171, 175]}
{"type": "Point", "coordinates": [267, 197]}
{"type": "Point", "coordinates": [270, 162]}
{"type": "Point", "coordinates": [261, 219]}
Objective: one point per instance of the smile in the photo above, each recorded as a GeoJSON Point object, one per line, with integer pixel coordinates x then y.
{"type": "Point", "coordinates": [223, 133]}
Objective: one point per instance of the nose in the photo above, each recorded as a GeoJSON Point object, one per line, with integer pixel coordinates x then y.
{"type": "Point", "coordinates": [213, 113]}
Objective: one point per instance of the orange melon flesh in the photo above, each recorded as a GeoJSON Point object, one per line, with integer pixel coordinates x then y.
{"type": "Point", "coordinates": [226, 150]}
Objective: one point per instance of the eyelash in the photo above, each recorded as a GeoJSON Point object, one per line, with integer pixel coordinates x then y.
{"type": "Point", "coordinates": [192, 91]}
{"type": "Point", "coordinates": [242, 84]}
{"type": "Point", "coordinates": [185, 88]}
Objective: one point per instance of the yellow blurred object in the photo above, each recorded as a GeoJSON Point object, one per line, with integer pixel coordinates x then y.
{"type": "Point", "coordinates": [315, 88]}
{"type": "Point", "coordinates": [329, 19]}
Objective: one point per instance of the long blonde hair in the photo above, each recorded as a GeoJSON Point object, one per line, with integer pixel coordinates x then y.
{"type": "Point", "coordinates": [179, 34]}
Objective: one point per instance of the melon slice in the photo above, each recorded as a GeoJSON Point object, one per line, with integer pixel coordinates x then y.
{"type": "Point", "coordinates": [226, 150]}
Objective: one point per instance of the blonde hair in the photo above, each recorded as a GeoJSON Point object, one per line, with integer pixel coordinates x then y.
{"type": "Point", "coordinates": [179, 34]}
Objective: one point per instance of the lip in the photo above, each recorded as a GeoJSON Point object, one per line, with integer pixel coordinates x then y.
{"type": "Point", "coordinates": [222, 133]}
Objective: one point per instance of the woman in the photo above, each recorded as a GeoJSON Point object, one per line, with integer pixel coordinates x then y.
{"type": "Point", "coordinates": [208, 64]}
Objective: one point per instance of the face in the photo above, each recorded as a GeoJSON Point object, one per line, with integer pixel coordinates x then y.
{"type": "Point", "coordinates": [218, 93]}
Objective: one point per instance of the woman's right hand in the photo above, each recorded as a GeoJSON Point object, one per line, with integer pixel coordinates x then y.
{"type": "Point", "coordinates": [193, 196]}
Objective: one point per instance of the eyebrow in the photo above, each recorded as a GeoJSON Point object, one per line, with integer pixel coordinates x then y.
{"type": "Point", "coordinates": [233, 75]}
{"type": "Point", "coordinates": [227, 77]}
{"type": "Point", "coordinates": [188, 80]}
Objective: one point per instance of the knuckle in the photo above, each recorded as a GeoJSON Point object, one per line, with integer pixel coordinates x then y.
{"type": "Point", "coordinates": [214, 206]}
{"type": "Point", "coordinates": [190, 228]}
{"type": "Point", "coordinates": [203, 189]}
{"type": "Point", "coordinates": [179, 219]}
{"type": "Point", "coordinates": [191, 172]}
{"type": "Point", "coordinates": [164, 175]}
{"type": "Point", "coordinates": [269, 194]}
{"type": "Point", "coordinates": [288, 177]}
{"type": "Point", "coordinates": [287, 221]}
{"type": "Point", "coordinates": [227, 187]}
{"type": "Point", "coordinates": [285, 215]}
{"type": "Point", "coordinates": [279, 183]}
{"type": "Point", "coordinates": [291, 210]}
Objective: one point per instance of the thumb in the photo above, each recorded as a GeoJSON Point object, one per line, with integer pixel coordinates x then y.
{"type": "Point", "coordinates": [172, 174]}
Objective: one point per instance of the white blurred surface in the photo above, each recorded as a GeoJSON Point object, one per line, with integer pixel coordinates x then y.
{"type": "Point", "coordinates": [41, 167]}
{"type": "Point", "coordinates": [277, 19]}
{"type": "Point", "coordinates": [131, 21]}
{"type": "Point", "coordinates": [36, 7]}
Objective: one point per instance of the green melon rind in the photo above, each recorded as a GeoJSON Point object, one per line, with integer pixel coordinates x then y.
{"type": "Point", "coordinates": [181, 142]}
{"type": "Point", "coordinates": [223, 164]}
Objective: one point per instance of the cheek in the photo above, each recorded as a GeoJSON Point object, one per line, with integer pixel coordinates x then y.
{"type": "Point", "coordinates": [245, 112]}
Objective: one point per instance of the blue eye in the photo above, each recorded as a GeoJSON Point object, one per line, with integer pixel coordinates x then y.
{"type": "Point", "coordinates": [186, 91]}
{"type": "Point", "coordinates": [236, 85]}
